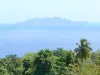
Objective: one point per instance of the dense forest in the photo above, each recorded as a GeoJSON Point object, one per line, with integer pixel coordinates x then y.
{"type": "Point", "coordinates": [80, 61]}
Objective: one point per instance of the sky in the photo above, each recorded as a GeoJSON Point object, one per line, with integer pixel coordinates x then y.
{"type": "Point", "coordinates": [13, 11]}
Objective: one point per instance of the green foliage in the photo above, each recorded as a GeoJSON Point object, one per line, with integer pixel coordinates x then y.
{"type": "Point", "coordinates": [12, 65]}
{"type": "Point", "coordinates": [63, 61]}
{"type": "Point", "coordinates": [28, 64]}
{"type": "Point", "coordinates": [95, 56]}
{"type": "Point", "coordinates": [54, 62]}
{"type": "Point", "coordinates": [87, 68]}
{"type": "Point", "coordinates": [83, 49]}
{"type": "Point", "coordinates": [43, 62]}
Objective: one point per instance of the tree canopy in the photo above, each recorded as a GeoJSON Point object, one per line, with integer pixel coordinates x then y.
{"type": "Point", "coordinates": [54, 62]}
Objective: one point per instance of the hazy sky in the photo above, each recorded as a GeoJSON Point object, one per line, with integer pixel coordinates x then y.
{"type": "Point", "coordinates": [12, 11]}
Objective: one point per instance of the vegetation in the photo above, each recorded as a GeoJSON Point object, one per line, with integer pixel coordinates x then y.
{"type": "Point", "coordinates": [54, 62]}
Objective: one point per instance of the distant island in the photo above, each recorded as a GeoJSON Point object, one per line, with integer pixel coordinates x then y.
{"type": "Point", "coordinates": [50, 23]}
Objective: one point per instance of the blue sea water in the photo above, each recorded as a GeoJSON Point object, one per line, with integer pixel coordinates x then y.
{"type": "Point", "coordinates": [20, 41]}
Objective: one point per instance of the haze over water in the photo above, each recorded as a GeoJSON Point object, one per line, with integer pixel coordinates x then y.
{"type": "Point", "coordinates": [29, 40]}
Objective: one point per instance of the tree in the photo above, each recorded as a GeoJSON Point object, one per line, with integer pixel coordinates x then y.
{"type": "Point", "coordinates": [13, 64]}
{"type": "Point", "coordinates": [95, 57]}
{"type": "Point", "coordinates": [44, 62]}
{"type": "Point", "coordinates": [59, 52]}
{"type": "Point", "coordinates": [64, 59]}
{"type": "Point", "coordinates": [87, 68]}
{"type": "Point", "coordinates": [3, 70]}
{"type": "Point", "coordinates": [28, 64]}
{"type": "Point", "coordinates": [83, 49]}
